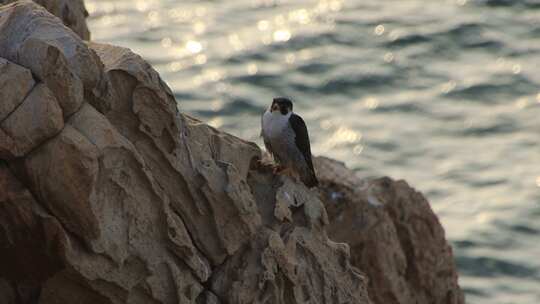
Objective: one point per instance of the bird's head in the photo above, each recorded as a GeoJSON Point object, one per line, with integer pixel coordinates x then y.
{"type": "Point", "coordinates": [281, 105]}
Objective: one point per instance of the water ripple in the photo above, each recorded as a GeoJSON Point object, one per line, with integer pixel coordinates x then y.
{"type": "Point", "coordinates": [499, 88]}
{"type": "Point", "coordinates": [349, 83]}
{"type": "Point", "coordinates": [533, 4]}
{"type": "Point", "coordinates": [492, 267]}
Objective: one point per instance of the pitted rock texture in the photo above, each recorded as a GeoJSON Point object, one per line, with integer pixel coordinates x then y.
{"type": "Point", "coordinates": [73, 14]}
{"type": "Point", "coordinates": [36, 119]}
{"type": "Point", "coordinates": [36, 40]}
{"type": "Point", "coordinates": [108, 194]}
{"type": "Point", "coordinates": [394, 236]}
{"type": "Point", "coordinates": [15, 83]}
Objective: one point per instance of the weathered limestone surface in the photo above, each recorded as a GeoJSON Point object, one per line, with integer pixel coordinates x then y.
{"type": "Point", "coordinates": [33, 38]}
{"type": "Point", "coordinates": [395, 237]}
{"type": "Point", "coordinates": [35, 120]}
{"type": "Point", "coordinates": [73, 14]}
{"type": "Point", "coordinates": [15, 83]}
{"type": "Point", "coordinates": [32, 242]}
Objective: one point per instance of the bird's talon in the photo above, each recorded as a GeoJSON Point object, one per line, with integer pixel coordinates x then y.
{"type": "Point", "coordinates": [277, 169]}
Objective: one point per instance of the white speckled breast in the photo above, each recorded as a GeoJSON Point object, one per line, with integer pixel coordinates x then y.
{"type": "Point", "coordinates": [274, 123]}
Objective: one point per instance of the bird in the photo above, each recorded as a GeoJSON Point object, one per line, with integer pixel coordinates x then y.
{"type": "Point", "coordinates": [286, 138]}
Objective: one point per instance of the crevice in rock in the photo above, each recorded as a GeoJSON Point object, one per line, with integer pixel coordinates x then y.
{"type": "Point", "coordinates": [19, 172]}
{"type": "Point", "coordinates": [20, 104]}
{"type": "Point", "coordinates": [41, 144]}
{"type": "Point", "coordinates": [216, 269]}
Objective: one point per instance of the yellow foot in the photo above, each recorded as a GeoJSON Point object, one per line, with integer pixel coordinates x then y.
{"type": "Point", "coordinates": [278, 169]}
{"type": "Point", "coordinates": [262, 165]}
{"type": "Point", "coordinates": [288, 172]}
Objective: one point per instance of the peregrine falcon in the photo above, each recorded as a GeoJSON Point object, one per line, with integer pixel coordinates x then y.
{"type": "Point", "coordinates": [286, 138]}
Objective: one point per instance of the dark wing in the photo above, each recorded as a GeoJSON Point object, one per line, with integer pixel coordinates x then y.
{"type": "Point", "coordinates": [302, 142]}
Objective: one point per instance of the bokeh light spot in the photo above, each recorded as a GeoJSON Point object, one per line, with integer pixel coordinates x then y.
{"type": "Point", "coordinates": [358, 149]}
{"type": "Point", "coordinates": [166, 42]}
{"type": "Point", "coordinates": [252, 69]}
{"type": "Point", "coordinates": [448, 86]}
{"type": "Point", "coordinates": [282, 35]}
{"type": "Point", "coordinates": [263, 25]}
{"type": "Point", "coordinates": [371, 103]}
{"type": "Point", "coordinates": [388, 57]}
{"type": "Point", "coordinates": [379, 30]}
{"type": "Point", "coordinates": [194, 46]}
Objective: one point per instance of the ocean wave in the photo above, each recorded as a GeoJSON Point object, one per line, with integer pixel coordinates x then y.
{"type": "Point", "coordinates": [533, 4]}
{"type": "Point", "coordinates": [493, 267]}
{"type": "Point", "coordinates": [498, 89]}
{"type": "Point", "coordinates": [347, 84]}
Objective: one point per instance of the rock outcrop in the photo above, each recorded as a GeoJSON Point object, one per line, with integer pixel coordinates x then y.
{"type": "Point", "coordinates": [109, 194]}
{"type": "Point", "coordinates": [73, 14]}
{"type": "Point", "coordinates": [394, 236]}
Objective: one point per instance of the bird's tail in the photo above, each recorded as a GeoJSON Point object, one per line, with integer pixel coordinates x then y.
{"type": "Point", "coordinates": [310, 180]}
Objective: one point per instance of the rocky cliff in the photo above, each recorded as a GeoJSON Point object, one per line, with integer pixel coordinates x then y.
{"type": "Point", "coordinates": [109, 194]}
{"type": "Point", "coordinates": [394, 237]}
